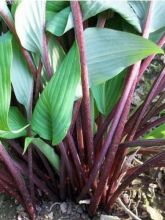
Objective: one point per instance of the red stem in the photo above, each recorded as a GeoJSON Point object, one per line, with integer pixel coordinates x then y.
{"type": "Point", "coordinates": [30, 172]}
{"type": "Point", "coordinates": [67, 163]}
{"type": "Point", "coordinates": [147, 102]}
{"type": "Point", "coordinates": [143, 143]}
{"type": "Point", "coordinates": [38, 82]}
{"type": "Point", "coordinates": [75, 114]}
{"type": "Point", "coordinates": [80, 138]}
{"type": "Point", "coordinates": [47, 166]}
{"type": "Point", "coordinates": [118, 124]}
{"type": "Point", "coordinates": [38, 182]}
{"type": "Point", "coordinates": [19, 180]}
{"type": "Point", "coordinates": [113, 143]}
{"type": "Point", "coordinates": [19, 151]}
{"type": "Point", "coordinates": [148, 60]}
{"type": "Point", "coordinates": [46, 57]}
{"type": "Point", "coordinates": [78, 22]}
{"type": "Point", "coordinates": [62, 179]}
{"type": "Point", "coordinates": [76, 158]}
{"type": "Point", "coordinates": [119, 110]}
{"type": "Point", "coordinates": [155, 109]}
{"type": "Point", "coordinates": [102, 20]}
{"type": "Point", "coordinates": [9, 190]}
{"type": "Point", "coordinates": [104, 127]}
{"type": "Point", "coordinates": [150, 126]}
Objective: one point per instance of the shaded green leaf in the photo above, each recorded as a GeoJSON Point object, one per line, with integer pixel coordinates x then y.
{"type": "Point", "coordinates": [157, 17]}
{"type": "Point", "coordinates": [94, 113]}
{"type": "Point", "coordinates": [56, 53]}
{"type": "Point", "coordinates": [5, 10]}
{"type": "Point", "coordinates": [56, 56]}
{"type": "Point", "coordinates": [56, 6]}
{"type": "Point", "coordinates": [14, 6]}
{"type": "Point", "coordinates": [46, 149]}
{"type": "Point", "coordinates": [12, 124]}
{"type": "Point", "coordinates": [53, 7]}
{"type": "Point", "coordinates": [108, 93]}
{"type": "Point", "coordinates": [91, 8]}
{"type": "Point", "coordinates": [17, 125]}
{"type": "Point", "coordinates": [53, 112]}
{"type": "Point", "coordinates": [155, 36]}
{"type": "Point", "coordinates": [22, 80]}
{"type": "Point", "coordinates": [63, 21]}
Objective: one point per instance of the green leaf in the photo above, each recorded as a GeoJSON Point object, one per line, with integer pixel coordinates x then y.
{"type": "Point", "coordinates": [46, 149]}
{"type": "Point", "coordinates": [17, 125]}
{"type": "Point", "coordinates": [108, 93]}
{"type": "Point", "coordinates": [21, 78]}
{"type": "Point", "coordinates": [53, 111]}
{"type": "Point", "coordinates": [91, 8]}
{"type": "Point", "coordinates": [28, 141]}
{"type": "Point", "coordinates": [63, 21]}
{"type": "Point", "coordinates": [157, 17]}
{"type": "Point", "coordinates": [158, 132]}
{"type": "Point", "coordinates": [109, 52]}
{"type": "Point", "coordinates": [94, 113]}
{"type": "Point", "coordinates": [5, 83]}
{"type": "Point", "coordinates": [56, 53]}
{"type": "Point", "coordinates": [53, 7]}
{"type": "Point", "coordinates": [12, 124]}
{"type": "Point", "coordinates": [155, 36]}
{"type": "Point", "coordinates": [56, 6]}
{"type": "Point", "coordinates": [5, 10]}
{"type": "Point", "coordinates": [29, 24]}
{"type": "Point", "coordinates": [14, 6]}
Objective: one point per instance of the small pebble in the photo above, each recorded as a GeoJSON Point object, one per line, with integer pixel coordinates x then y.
{"type": "Point", "coordinates": [79, 210]}
{"type": "Point", "coordinates": [63, 207]}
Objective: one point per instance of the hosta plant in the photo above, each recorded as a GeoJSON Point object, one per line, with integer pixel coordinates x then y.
{"type": "Point", "coordinates": [68, 73]}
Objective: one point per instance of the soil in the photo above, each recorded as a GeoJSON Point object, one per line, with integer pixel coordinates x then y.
{"type": "Point", "coordinates": [145, 197]}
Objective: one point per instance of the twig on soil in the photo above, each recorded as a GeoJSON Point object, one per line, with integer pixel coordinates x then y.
{"type": "Point", "coordinates": [54, 204]}
{"type": "Point", "coordinates": [128, 211]}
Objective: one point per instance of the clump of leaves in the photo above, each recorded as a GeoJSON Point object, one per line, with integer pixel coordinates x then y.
{"type": "Point", "coordinates": [68, 72]}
